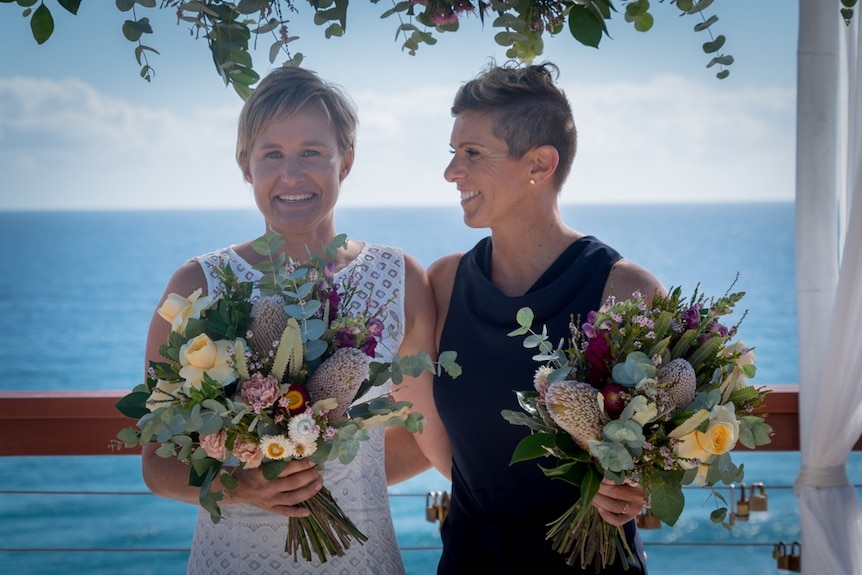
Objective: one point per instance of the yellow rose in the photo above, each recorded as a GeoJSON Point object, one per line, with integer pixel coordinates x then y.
{"type": "Point", "coordinates": [203, 355]}
{"type": "Point", "coordinates": [720, 436]}
{"type": "Point", "coordinates": [177, 309]}
{"type": "Point", "coordinates": [162, 394]}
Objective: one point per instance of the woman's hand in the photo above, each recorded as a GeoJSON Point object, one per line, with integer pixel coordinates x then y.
{"type": "Point", "coordinates": [619, 504]}
{"type": "Point", "coordinates": [297, 482]}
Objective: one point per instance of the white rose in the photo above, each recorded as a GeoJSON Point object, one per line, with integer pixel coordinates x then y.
{"type": "Point", "coordinates": [177, 309]}
{"type": "Point", "coordinates": [203, 355]}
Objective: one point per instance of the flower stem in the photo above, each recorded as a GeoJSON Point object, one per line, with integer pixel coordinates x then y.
{"type": "Point", "coordinates": [581, 532]}
{"type": "Point", "coordinates": [327, 532]}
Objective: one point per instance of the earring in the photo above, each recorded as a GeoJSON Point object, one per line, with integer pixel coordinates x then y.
{"type": "Point", "coordinates": [532, 182]}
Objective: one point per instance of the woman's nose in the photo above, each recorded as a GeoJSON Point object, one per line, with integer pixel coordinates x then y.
{"type": "Point", "coordinates": [452, 171]}
{"type": "Point", "coordinates": [291, 170]}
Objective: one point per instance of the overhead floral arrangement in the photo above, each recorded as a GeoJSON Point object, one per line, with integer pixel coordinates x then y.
{"type": "Point", "coordinates": [229, 27]}
{"type": "Point", "coordinates": [655, 393]}
{"type": "Point", "coordinates": [257, 382]}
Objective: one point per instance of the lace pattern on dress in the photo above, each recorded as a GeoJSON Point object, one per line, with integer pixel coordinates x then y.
{"type": "Point", "coordinates": [251, 541]}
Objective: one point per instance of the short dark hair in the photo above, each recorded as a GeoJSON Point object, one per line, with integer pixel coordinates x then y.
{"type": "Point", "coordinates": [528, 108]}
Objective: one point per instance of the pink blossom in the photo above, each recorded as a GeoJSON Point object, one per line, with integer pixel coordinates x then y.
{"type": "Point", "coordinates": [248, 453]}
{"type": "Point", "coordinates": [214, 444]}
{"type": "Point", "coordinates": [260, 391]}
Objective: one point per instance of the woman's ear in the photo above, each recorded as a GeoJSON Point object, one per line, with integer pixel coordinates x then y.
{"type": "Point", "coordinates": [543, 163]}
{"type": "Point", "coordinates": [346, 164]}
{"type": "Point", "coordinates": [246, 170]}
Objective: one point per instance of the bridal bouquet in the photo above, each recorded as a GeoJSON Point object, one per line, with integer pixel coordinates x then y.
{"type": "Point", "coordinates": [655, 394]}
{"type": "Point", "coordinates": [258, 382]}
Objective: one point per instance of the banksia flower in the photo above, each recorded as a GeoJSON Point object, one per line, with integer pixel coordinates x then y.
{"type": "Point", "coordinates": [288, 358]}
{"type": "Point", "coordinates": [339, 376]}
{"type": "Point", "coordinates": [268, 323]}
{"type": "Point", "coordinates": [681, 382]}
{"type": "Point", "coordinates": [574, 406]}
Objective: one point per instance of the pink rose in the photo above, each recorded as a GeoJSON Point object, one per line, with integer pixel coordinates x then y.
{"type": "Point", "coordinates": [248, 453]}
{"type": "Point", "coordinates": [213, 444]}
{"type": "Point", "coordinates": [260, 391]}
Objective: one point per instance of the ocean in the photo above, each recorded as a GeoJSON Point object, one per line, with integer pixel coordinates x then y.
{"type": "Point", "coordinates": [78, 289]}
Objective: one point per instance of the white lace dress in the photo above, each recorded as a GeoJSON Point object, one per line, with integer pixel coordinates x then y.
{"type": "Point", "coordinates": [248, 540]}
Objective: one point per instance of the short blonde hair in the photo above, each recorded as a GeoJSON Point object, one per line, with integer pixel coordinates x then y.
{"type": "Point", "coordinates": [284, 92]}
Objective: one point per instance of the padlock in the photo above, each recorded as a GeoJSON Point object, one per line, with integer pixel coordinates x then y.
{"type": "Point", "coordinates": [646, 520]}
{"type": "Point", "coordinates": [779, 552]}
{"type": "Point", "coordinates": [794, 560]}
{"type": "Point", "coordinates": [758, 500]}
{"type": "Point", "coordinates": [731, 515]}
{"type": "Point", "coordinates": [443, 508]}
{"type": "Point", "coordinates": [432, 509]}
{"type": "Point", "coordinates": [743, 505]}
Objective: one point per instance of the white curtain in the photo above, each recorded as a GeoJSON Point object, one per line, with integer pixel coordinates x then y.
{"type": "Point", "coordinates": [829, 285]}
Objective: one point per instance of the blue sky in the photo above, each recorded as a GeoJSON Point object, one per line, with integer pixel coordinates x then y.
{"type": "Point", "coordinates": [79, 129]}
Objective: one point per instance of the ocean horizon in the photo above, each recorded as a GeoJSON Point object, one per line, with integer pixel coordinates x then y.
{"type": "Point", "coordinates": [79, 288]}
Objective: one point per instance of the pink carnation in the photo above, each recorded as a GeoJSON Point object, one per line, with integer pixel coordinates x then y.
{"type": "Point", "coordinates": [213, 444]}
{"type": "Point", "coordinates": [248, 453]}
{"type": "Point", "coordinates": [260, 391]}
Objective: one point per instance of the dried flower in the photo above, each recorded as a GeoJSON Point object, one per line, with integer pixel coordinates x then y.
{"type": "Point", "coordinates": [676, 404]}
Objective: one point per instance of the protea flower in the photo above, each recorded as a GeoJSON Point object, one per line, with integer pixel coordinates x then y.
{"type": "Point", "coordinates": [574, 406]}
{"type": "Point", "coordinates": [339, 377]}
{"type": "Point", "coordinates": [681, 382]}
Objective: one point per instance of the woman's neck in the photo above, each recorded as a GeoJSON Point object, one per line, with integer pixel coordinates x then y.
{"type": "Point", "coordinates": [520, 255]}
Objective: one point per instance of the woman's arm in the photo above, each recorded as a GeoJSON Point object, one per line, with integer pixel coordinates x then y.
{"type": "Point", "coordinates": [419, 335]}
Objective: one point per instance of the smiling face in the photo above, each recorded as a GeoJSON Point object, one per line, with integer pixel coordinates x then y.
{"type": "Point", "coordinates": [296, 170]}
{"type": "Point", "coordinates": [491, 183]}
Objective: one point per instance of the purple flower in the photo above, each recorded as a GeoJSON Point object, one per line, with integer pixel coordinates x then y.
{"type": "Point", "coordinates": [369, 346]}
{"type": "Point", "coordinates": [588, 326]}
{"type": "Point", "coordinates": [691, 316]}
{"type": "Point", "coordinates": [375, 327]}
{"type": "Point", "coordinates": [334, 298]}
{"type": "Point", "coordinates": [345, 337]}
{"type": "Point", "coordinates": [598, 354]}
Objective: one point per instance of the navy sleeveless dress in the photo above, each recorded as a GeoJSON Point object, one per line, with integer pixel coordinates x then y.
{"type": "Point", "coordinates": [499, 513]}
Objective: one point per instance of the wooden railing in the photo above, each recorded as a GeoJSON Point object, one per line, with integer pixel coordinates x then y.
{"type": "Point", "coordinates": [86, 422]}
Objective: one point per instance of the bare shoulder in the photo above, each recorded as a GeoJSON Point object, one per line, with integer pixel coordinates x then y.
{"type": "Point", "coordinates": [186, 279]}
{"type": "Point", "coordinates": [627, 277]}
{"type": "Point", "coordinates": [442, 271]}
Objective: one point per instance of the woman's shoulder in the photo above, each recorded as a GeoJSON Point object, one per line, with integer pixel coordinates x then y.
{"type": "Point", "coordinates": [628, 277]}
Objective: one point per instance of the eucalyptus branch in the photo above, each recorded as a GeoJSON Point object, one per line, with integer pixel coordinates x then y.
{"type": "Point", "coordinates": [229, 27]}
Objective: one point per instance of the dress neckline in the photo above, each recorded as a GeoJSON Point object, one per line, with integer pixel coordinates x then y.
{"type": "Point", "coordinates": [350, 265]}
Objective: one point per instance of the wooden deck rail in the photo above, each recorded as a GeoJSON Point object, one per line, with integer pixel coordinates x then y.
{"type": "Point", "coordinates": [85, 422]}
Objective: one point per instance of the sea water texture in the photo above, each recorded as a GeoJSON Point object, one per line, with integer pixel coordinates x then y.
{"type": "Point", "coordinates": [78, 289]}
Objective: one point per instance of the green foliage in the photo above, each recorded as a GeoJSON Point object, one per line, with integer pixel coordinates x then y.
{"type": "Point", "coordinates": [231, 28]}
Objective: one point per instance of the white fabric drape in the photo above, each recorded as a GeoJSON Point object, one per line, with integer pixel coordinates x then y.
{"type": "Point", "coordinates": [829, 239]}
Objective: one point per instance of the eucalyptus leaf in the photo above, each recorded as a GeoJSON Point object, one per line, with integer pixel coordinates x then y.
{"type": "Point", "coordinates": [667, 502]}
{"type": "Point", "coordinates": [41, 24]}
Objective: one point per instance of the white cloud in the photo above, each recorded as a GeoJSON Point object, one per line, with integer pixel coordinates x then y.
{"type": "Point", "coordinates": [65, 144]}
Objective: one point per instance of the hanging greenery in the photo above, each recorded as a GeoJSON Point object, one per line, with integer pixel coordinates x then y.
{"type": "Point", "coordinates": [229, 27]}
